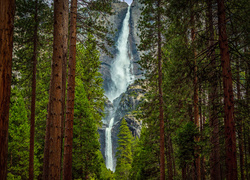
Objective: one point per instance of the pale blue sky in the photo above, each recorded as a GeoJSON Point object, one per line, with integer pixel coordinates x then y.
{"type": "Point", "coordinates": [129, 1]}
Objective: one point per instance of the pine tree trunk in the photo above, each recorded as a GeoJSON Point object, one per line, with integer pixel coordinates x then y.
{"type": "Point", "coordinates": [33, 97]}
{"type": "Point", "coordinates": [196, 99]}
{"type": "Point", "coordinates": [7, 12]}
{"type": "Point", "coordinates": [56, 91]}
{"type": "Point", "coordinates": [230, 143]}
{"type": "Point", "coordinates": [159, 56]}
{"type": "Point", "coordinates": [68, 145]}
{"type": "Point", "coordinates": [64, 76]}
{"type": "Point", "coordinates": [213, 94]}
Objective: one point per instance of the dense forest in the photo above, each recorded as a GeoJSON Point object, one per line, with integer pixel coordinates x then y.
{"type": "Point", "coordinates": [194, 113]}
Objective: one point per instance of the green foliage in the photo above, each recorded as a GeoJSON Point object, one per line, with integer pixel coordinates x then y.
{"type": "Point", "coordinates": [124, 152]}
{"type": "Point", "coordinates": [146, 160]}
{"type": "Point", "coordinates": [87, 71]}
{"type": "Point", "coordinates": [18, 146]}
{"type": "Point", "coordinates": [89, 101]}
{"type": "Point", "coordinates": [86, 162]}
{"type": "Point", "coordinates": [186, 143]}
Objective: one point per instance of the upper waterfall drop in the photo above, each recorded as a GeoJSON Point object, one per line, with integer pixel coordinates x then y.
{"type": "Point", "coordinates": [121, 77]}
{"type": "Point", "coordinates": [121, 68]}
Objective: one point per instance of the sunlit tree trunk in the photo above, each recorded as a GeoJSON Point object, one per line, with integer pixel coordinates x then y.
{"type": "Point", "coordinates": [7, 12]}
{"type": "Point", "coordinates": [68, 144]}
{"type": "Point", "coordinates": [56, 88]}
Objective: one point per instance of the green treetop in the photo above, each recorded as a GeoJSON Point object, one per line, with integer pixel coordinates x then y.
{"type": "Point", "coordinates": [124, 152]}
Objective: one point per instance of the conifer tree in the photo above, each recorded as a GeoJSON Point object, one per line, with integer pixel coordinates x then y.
{"type": "Point", "coordinates": [18, 159]}
{"type": "Point", "coordinates": [124, 152]}
{"type": "Point", "coordinates": [67, 158]}
{"type": "Point", "coordinates": [89, 103]}
{"type": "Point", "coordinates": [151, 27]}
{"type": "Point", "coordinates": [7, 12]}
{"type": "Point", "coordinates": [55, 111]}
{"type": "Point", "coordinates": [230, 142]}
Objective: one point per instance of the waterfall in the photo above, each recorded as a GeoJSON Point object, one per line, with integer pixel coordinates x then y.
{"type": "Point", "coordinates": [121, 77]}
{"type": "Point", "coordinates": [121, 67]}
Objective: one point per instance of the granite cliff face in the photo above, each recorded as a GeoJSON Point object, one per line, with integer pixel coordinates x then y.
{"type": "Point", "coordinates": [127, 102]}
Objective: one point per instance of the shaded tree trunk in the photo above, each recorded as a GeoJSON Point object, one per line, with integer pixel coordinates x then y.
{"type": "Point", "coordinates": [213, 95]}
{"type": "Point", "coordinates": [33, 97]}
{"type": "Point", "coordinates": [56, 88]}
{"type": "Point", "coordinates": [159, 56]}
{"type": "Point", "coordinates": [196, 101]}
{"type": "Point", "coordinates": [7, 12]}
{"type": "Point", "coordinates": [184, 172]}
{"type": "Point", "coordinates": [230, 143]}
{"type": "Point", "coordinates": [68, 145]}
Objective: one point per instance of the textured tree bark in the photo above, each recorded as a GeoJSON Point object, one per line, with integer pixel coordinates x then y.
{"type": "Point", "coordinates": [56, 88]}
{"type": "Point", "coordinates": [230, 143]}
{"type": "Point", "coordinates": [213, 95]}
{"type": "Point", "coordinates": [64, 76]}
{"type": "Point", "coordinates": [68, 144]}
{"type": "Point", "coordinates": [196, 101]}
{"type": "Point", "coordinates": [159, 56]}
{"type": "Point", "coordinates": [7, 12]}
{"type": "Point", "coordinates": [33, 98]}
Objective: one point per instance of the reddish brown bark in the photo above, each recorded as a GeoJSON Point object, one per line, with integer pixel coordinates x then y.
{"type": "Point", "coordinates": [68, 144]}
{"type": "Point", "coordinates": [56, 88]}
{"type": "Point", "coordinates": [230, 143]}
{"type": "Point", "coordinates": [64, 76]}
{"type": "Point", "coordinates": [159, 56]}
{"type": "Point", "coordinates": [7, 12]}
{"type": "Point", "coordinates": [33, 98]}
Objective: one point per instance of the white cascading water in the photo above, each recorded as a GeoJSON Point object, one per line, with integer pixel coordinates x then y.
{"type": "Point", "coordinates": [121, 67]}
{"type": "Point", "coordinates": [108, 144]}
{"type": "Point", "coordinates": [121, 77]}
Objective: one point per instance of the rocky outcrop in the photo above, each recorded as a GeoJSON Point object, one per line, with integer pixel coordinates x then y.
{"type": "Point", "coordinates": [128, 102]}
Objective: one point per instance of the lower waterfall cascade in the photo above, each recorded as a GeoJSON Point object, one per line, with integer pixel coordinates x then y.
{"type": "Point", "coordinates": [121, 77]}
